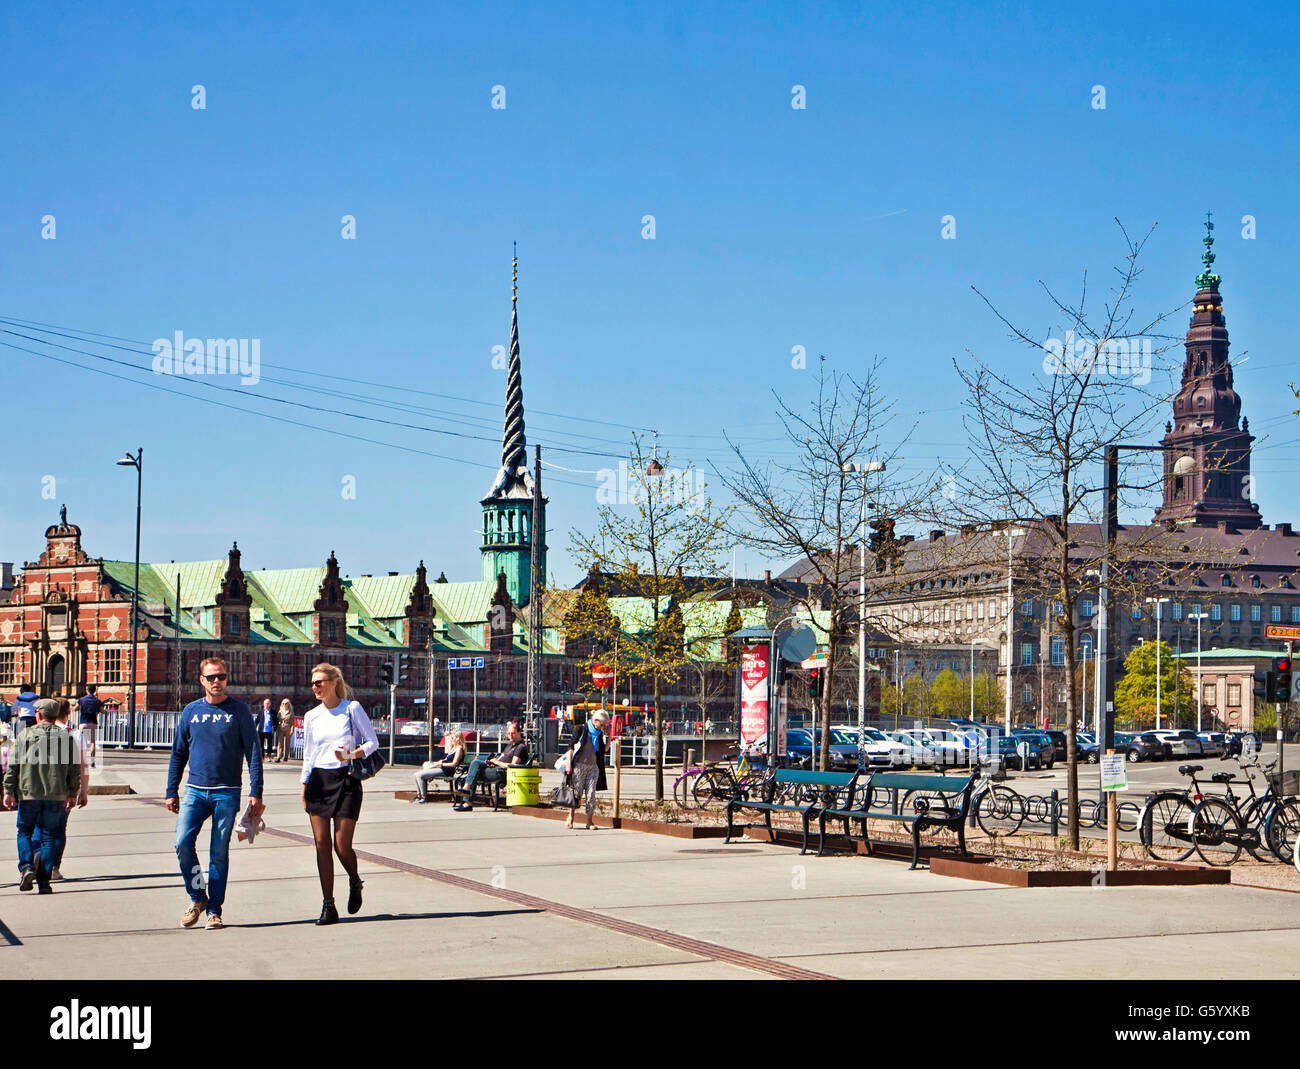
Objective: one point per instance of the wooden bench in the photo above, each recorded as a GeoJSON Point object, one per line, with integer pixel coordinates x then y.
{"type": "Point", "coordinates": [794, 791]}
{"type": "Point", "coordinates": [923, 800]}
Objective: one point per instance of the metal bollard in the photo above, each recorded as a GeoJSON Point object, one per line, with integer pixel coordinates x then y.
{"type": "Point", "coordinates": [1056, 814]}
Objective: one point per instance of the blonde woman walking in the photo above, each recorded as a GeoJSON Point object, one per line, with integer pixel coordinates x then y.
{"type": "Point", "coordinates": [334, 733]}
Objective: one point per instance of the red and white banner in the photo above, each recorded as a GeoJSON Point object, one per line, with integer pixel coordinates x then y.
{"type": "Point", "coordinates": [754, 670]}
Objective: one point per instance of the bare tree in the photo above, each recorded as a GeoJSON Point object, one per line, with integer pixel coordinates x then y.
{"type": "Point", "coordinates": [652, 545]}
{"type": "Point", "coordinates": [812, 508]}
{"type": "Point", "coordinates": [1038, 441]}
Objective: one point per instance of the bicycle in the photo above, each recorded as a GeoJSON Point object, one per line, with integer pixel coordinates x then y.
{"type": "Point", "coordinates": [718, 782]}
{"type": "Point", "coordinates": [1222, 826]}
{"type": "Point", "coordinates": [1176, 824]}
{"type": "Point", "coordinates": [999, 810]}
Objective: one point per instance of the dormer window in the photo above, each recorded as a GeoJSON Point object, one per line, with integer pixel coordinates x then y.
{"type": "Point", "coordinates": [1226, 580]}
{"type": "Point", "coordinates": [333, 598]}
{"type": "Point", "coordinates": [1254, 581]}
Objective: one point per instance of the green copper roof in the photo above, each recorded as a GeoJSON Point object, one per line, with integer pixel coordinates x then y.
{"type": "Point", "coordinates": [294, 590]}
{"type": "Point", "coordinates": [463, 602]}
{"type": "Point", "coordinates": [1230, 654]}
{"type": "Point", "coordinates": [385, 596]}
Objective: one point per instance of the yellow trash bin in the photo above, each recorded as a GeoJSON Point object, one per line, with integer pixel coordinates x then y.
{"type": "Point", "coordinates": [523, 786]}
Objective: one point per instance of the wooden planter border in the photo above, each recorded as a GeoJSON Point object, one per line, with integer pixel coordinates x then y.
{"type": "Point", "coordinates": [654, 827]}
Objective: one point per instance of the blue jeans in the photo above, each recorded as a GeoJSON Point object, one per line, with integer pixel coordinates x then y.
{"type": "Point", "coordinates": [63, 839]}
{"type": "Point", "coordinates": [50, 819]}
{"type": "Point", "coordinates": [197, 806]}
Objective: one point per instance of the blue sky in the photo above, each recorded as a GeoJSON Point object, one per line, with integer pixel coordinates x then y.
{"type": "Point", "coordinates": [774, 227]}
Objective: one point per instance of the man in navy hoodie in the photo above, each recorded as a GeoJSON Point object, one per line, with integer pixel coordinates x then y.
{"type": "Point", "coordinates": [216, 735]}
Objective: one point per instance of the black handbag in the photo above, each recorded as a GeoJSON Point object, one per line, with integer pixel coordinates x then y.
{"type": "Point", "coordinates": [360, 768]}
{"type": "Point", "coordinates": [564, 796]}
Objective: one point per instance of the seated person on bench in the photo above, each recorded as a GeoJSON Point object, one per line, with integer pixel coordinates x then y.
{"type": "Point", "coordinates": [493, 769]}
{"type": "Point", "coordinates": [454, 747]}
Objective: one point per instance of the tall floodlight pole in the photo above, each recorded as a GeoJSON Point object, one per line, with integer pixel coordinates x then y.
{"type": "Point", "coordinates": [1159, 603]}
{"type": "Point", "coordinates": [1198, 617]}
{"type": "Point", "coordinates": [864, 470]}
{"type": "Point", "coordinates": [137, 462]}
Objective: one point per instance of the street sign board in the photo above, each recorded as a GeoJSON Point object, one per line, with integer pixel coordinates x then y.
{"type": "Point", "coordinates": [1114, 772]}
{"type": "Point", "coordinates": [1282, 631]}
{"type": "Point", "coordinates": [478, 662]}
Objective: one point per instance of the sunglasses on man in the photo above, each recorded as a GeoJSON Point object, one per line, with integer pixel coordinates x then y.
{"type": "Point", "coordinates": [215, 676]}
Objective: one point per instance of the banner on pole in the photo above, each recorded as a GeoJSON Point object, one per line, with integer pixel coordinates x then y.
{"type": "Point", "coordinates": [754, 668]}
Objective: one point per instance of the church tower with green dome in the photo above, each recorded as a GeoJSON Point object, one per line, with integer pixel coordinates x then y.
{"type": "Point", "coordinates": [508, 507]}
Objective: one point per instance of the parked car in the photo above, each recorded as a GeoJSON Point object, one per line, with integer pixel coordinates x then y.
{"type": "Point", "coordinates": [878, 749]}
{"type": "Point", "coordinates": [919, 748]}
{"type": "Point", "coordinates": [799, 746]}
{"type": "Point", "coordinates": [1178, 743]}
{"type": "Point", "coordinates": [1042, 743]}
{"type": "Point", "coordinates": [1060, 743]}
{"type": "Point", "coordinates": [1233, 743]}
{"type": "Point", "coordinates": [1214, 743]}
{"type": "Point", "coordinates": [1135, 746]}
{"type": "Point", "coordinates": [1009, 751]}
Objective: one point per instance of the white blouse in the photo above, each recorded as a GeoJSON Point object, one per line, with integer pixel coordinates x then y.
{"type": "Point", "coordinates": [327, 730]}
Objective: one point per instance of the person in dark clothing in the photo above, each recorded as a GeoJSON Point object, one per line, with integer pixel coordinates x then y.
{"type": "Point", "coordinates": [586, 763]}
{"type": "Point", "coordinates": [88, 708]}
{"type": "Point", "coordinates": [494, 768]}
{"type": "Point", "coordinates": [215, 736]}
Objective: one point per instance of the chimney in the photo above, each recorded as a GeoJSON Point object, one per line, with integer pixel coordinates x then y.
{"type": "Point", "coordinates": [967, 530]}
{"type": "Point", "coordinates": [632, 567]}
{"type": "Point", "coordinates": [1285, 528]}
{"type": "Point", "coordinates": [392, 573]}
{"type": "Point", "coordinates": [6, 575]}
{"type": "Point", "coordinates": [679, 571]}
{"type": "Point", "coordinates": [936, 534]}
{"type": "Point", "coordinates": [767, 576]}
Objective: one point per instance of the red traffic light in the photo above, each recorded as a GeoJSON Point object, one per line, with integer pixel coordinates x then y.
{"type": "Point", "coordinates": [1281, 664]}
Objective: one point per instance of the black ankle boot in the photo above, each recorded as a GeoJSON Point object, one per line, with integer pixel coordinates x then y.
{"type": "Point", "coordinates": [328, 914]}
{"type": "Point", "coordinates": [354, 894]}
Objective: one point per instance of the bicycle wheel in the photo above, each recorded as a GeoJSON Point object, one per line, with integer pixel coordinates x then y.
{"type": "Point", "coordinates": [682, 788]}
{"type": "Point", "coordinates": [713, 787]}
{"type": "Point", "coordinates": [1253, 835]}
{"type": "Point", "coordinates": [1282, 830]}
{"type": "Point", "coordinates": [1217, 832]}
{"type": "Point", "coordinates": [1000, 811]}
{"type": "Point", "coordinates": [1163, 828]}
{"type": "Point", "coordinates": [932, 802]}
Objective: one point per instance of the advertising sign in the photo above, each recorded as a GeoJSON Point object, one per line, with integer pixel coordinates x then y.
{"type": "Point", "coordinates": [296, 740]}
{"type": "Point", "coordinates": [753, 694]}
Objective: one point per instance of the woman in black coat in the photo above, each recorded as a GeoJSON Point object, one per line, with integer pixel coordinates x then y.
{"type": "Point", "coordinates": [586, 763]}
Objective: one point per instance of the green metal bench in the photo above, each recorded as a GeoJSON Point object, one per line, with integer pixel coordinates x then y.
{"type": "Point", "coordinates": [920, 799]}
{"type": "Point", "coordinates": [812, 791]}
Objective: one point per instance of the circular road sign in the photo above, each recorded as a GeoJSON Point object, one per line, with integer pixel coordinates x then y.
{"type": "Point", "coordinates": [799, 645]}
{"type": "Point", "coordinates": [602, 675]}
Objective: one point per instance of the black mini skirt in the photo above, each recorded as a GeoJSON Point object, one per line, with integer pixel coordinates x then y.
{"type": "Point", "coordinates": [331, 792]}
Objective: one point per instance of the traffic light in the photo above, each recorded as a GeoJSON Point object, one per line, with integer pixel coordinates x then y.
{"type": "Point", "coordinates": [403, 669]}
{"type": "Point", "coordinates": [1281, 679]}
{"type": "Point", "coordinates": [386, 670]}
{"type": "Point", "coordinates": [814, 682]}
{"type": "Point", "coordinates": [1264, 685]}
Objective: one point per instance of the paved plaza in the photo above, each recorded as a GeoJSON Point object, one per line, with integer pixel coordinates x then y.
{"type": "Point", "coordinates": [497, 895]}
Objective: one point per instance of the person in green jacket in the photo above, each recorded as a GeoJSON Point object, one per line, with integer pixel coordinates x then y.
{"type": "Point", "coordinates": [44, 776]}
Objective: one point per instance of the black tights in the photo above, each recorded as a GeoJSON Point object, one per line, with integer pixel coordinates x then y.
{"type": "Point", "coordinates": [341, 844]}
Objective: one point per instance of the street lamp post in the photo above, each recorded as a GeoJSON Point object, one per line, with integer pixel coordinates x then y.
{"type": "Point", "coordinates": [137, 462]}
{"type": "Point", "coordinates": [864, 470]}
{"type": "Point", "coordinates": [1198, 617]}
{"type": "Point", "coordinates": [1158, 602]}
